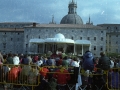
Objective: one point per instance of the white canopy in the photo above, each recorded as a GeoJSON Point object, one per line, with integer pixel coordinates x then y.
{"type": "Point", "coordinates": [87, 42]}
{"type": "Point", "coordinates": [37, 40]}
{"type": "Point", "coordinates": [59, 38]}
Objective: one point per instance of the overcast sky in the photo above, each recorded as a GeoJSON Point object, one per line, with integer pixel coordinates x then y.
{"type": "Point", "coordinates": [41, 11]}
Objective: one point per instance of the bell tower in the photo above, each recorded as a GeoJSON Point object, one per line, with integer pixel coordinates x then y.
{"type": "Point", "coordinates": [72, 7]}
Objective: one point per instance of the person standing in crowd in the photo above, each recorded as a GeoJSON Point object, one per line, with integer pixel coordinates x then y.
{"type": "Point", "coordinates": [88, 61]}
{"type": "Point", "coordinates": [39, 62]}
{"type": "Point", "coordinates": [25, 60]}
{"type": "Point", "coordinates": [49, 62]}
{"type": "Point", "coordinates": [16, 60]}
{"type": "Point", "coordinates": [10, 58]}
{"type": "Point", "coordinates": [65, 62]}
{"type": "Point", "coordinates": [104, 62]}
{"type": "Point", "coordinates": [1, 58]}
{"type": "Point", "coordinates": [29, 59]}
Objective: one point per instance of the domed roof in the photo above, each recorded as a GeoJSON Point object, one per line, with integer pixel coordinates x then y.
{"type": "Point", "coordinates": [71, 19]}
{"type": "Point", "coordinates": [59, 35]}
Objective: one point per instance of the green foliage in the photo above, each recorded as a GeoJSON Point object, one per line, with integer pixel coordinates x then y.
{"type": "Point", "coordinates": [113, 54]}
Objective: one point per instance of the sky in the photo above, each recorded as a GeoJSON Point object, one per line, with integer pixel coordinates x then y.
{"type": "Point", "coordinates": [41, 11]}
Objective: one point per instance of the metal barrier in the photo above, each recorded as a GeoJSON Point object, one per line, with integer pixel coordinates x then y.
{"type": "Point", "coordinates": [21, 75]}
{"type": "Point", "coordinates": [111, 77]}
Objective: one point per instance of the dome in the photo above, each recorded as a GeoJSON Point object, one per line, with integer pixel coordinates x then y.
{"type": "Point", "coordinates": [71, 19]}
{"type": "Point", "coordinates": [59, 35]}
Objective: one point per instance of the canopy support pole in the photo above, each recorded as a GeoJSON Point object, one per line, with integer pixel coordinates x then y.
{"type": "Point", "coordinates": [74, 49]}
{"type": "Point", "coordinates": [82, 49]}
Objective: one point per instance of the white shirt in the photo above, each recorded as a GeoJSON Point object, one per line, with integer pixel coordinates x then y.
{"type": "Point", "coordinates": [39, 62]}
{"type": "Point", "coordinates": [75, 64]}
{"type": "Point", "coordinates": [16, 60]}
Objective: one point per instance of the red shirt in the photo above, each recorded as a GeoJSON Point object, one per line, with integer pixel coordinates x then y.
{"type": "Point", "coordinates": [44, 71]}
{"type": "Point", "coordinates": [61, 77]}
{"type": "Point", "coordinates": [13, 74]}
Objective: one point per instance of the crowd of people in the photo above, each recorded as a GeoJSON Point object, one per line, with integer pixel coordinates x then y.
{"type": "Point", "coordinates": [57, 72]}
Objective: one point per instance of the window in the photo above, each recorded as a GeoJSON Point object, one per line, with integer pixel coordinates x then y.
{"type": "Point", "coordinates": [109, 49]}
{"type": "Point", "coordinates": [88, 38]}
{"type": "Point", "coordinates": [109, 42]}
{"type": "Point", "coordinates": [72, 30]}
{"type": "Point", "coordinates": [101, 31]}
{"type": "Point", "coordinates": [26, 45]}
{"type": "Point", "coordinates": [101, 38]}
{"type": "Point", "coordinates": [116, 35]}
{"type": "Point", "coordinates": [116, 42]}
{"type": "Point", "coordinates": [101, 48]}
{"type": "Point", "coordinates": [94, 47]}
{"type": "Point", "coordinates": [4, 45]}
{"type": "Point", "coordinates": [95, 38]}
{"type": "Point", "coordinates": [80, 38]}
{"type": "Point", "coordinates": [26, 36]}
{"type": "Point", "coordinates": [72, 37]}
{"type": "Point", "coordinates": [11, 39]}
{"type": "Point", "coordinates": [109, 35]}
{"type": "Point", "coordinates": [39, 37]}
{"type": "Point", "coordinates": [116, 28]}
{"type": "Point", "coordinates": [18, 39]}
{"type": "Point", "coordinates": [18, 33]}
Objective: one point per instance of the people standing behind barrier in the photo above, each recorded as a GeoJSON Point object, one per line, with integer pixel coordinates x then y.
{"type": "Point", "coordinates": [62, 75]}
{"type": "Point", "coordinates": [65, 62]}
{"type": "Point", "coordinates": [25, 72]}
{"type": "Point", "coordinates": [33, 75]}
{"type": "Point", "coordinates": [1, 58]}
{"type": "Point", "coordinates": [13, 74]}
{"type": "Point", "coordinates": [5, 57]}
{"type": "Point", "coordinates": [112, 63]}
{"type": "Point", "coordinates": [25, 60]}
{"type": "Point", "coordinates": [88, 61]}
{"type": "Point", "coordinates": [29, 59]}
{"type": "Point", "coordinates": [10, 58]}
{"type": "Point", "coordinates": [95, 64]}
{"type": "Point", "coordinates": [104, 62]}
{"type": "Point", "coordinates": [16, 59]}
{"type": "Point", "coordinates": [35, 58]}
{"type": "Point", "coordinates": [45, 60]}
{"type": "Point", "coordinates": [44, 72]}
{"type": "Point", "coordinates": [49, 61]}
{"type": "Point", "coordinates": [39, 62]}
{"type": "Point", "coordinates": [114, 79]}
{"type": "Point", "coordinates": [59, 62]}
{"type": "Point", "coordinates": [53, 61]}
{"type": "Point", "coordinates": [5, 70]}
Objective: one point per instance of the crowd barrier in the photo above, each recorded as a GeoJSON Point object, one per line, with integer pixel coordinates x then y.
{"type": "Point", "coordinates": [111, 78]}
{"type": "Point", "coordinates": [21, 76]}
{"type": "Point", "coordinates": [24, 76]}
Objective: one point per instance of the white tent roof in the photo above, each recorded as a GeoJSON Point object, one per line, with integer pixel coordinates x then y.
{"type": "Point", "coordinates": [59, 40]}
{"type": "Point", "coordinates": [37, 40]}
{"type": "Point", "coordinates": [83, 42]}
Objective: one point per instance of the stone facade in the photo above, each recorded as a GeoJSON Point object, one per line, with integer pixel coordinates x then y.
{"type": "Point", "coordinates": [11, 37]}
{"type": "Point", "coordinates": [112, 37]}
{"type": "Point", "coordinates": [96, 35]}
